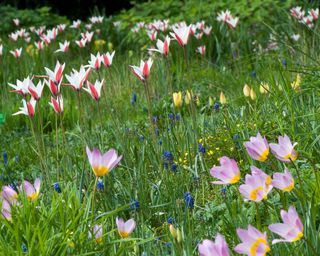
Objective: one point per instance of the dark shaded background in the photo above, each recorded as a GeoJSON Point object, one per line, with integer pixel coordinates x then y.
{"type": "Point", "coordinates": [74, 9]}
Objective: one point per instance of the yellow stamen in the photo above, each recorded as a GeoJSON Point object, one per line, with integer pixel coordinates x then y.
{"type": "Point", "coordinates": [254, 193]}
{"type": "Point", "coordinates": [264, 156]}
{"type": "Point", "coordinates": [33, 196]}
{"type": "Point", "coordinates": [99, 240]}
{"type": "Point", "coordinates": [298, 237]}
{"type": "Point", "coordinates": [235, 179]}
{"type": "Point", "coordinates": [124, 234]}
{"type": "Point", "coordinates": [254, 247]}
{"type": "Point", "coordinates": [289, 188]}
{"type": "Point", "coordinates": [100, 170]}
{"type": "Point", "coordinates": [268, 180]}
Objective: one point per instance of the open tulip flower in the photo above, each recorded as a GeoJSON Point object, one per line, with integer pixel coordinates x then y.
{"type": "Point", "coordinates": [97, 233]}
{"type": "Point", "coordinates": [9, 194]}
{"type": "Point", "coordinates": [201, 50]}
{"type": "Point", "coordinates": [253, 242]}
{"type": "Point", "coordinates": [163, 47]}
{"type": "Point", "coordinates": [21, 87]}
{"type": "Point", "coordinates": [125, 228]}
{"type": "Point", "coordinates": [31, 191]}
{"type": "Point", "coordinates": [36, 91]}
{"type": "Point", "coordinates": [284, 150]}
{"type": "Point", "coordinates": [95, 61]}
{"type": "Point", "coordinates": [102, 164]}
{"type": "Point", "coordinates": [28, 108]}
{"type": "Point", "coordinates": [143, 71]}
{"type": "Point", "coordinates": [181, 34]}
{"type": "Point", "coordinates": [63, 47]}
{"type": "Point", "coordinates": [94, 90]}
{"type": "Point", "coordinates": [255, 188]}
{"type": "Point", "coordinates": [16, 53]}
{"type": "Point", "coordinates": [217, 248]}
{"type": "Point", "coordinates": [6, 210]}
{"type": "Point", "coordinates": [256, 171]}
{"type": "Point", "coordinates": [283, 181]}
{"type": "Point", "coordinates": [291, 229]}
{"type": "Point", "coordinates": [227, 173]}
{"type": "Point", "coordinates": [107, 59]}
{"type": "Point", "coordinates": [246, 90]}
{"type": "Point", "coordinates": [56, 75]}
{"type": "Point", "coordinates": [78, 78]}
{"type": "Point", "coordinates": [258, 148]}
{"type": "Point", "coordinates": [57, 104]}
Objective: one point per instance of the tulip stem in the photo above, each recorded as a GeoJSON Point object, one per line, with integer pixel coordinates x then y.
{"type": "Point", "coordinates": [145, 83]}
{"type": "Point", "coordinates": [57, 143]}
{"type": "Point", "coordinates": [93, 193]}
{"type": "Point", "coordinates": [300, 181]}
{"type": "Point", "coordinates": [185, 55]}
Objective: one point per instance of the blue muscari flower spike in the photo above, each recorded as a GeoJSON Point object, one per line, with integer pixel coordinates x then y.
{"type": "Point", "coordinates": [171, 116]}
{"type": "Point", "coordinates": [57, 187]}
{"type": "Point", "coordinates": [223, 190]}
{"type": "Point", "coordinates": [178, 117]}
{"type": "Point", "coordinates": [5, 158]}
{"type": "Point", "coordinates": [216, 106]}
{"type": "Point", "coordinates": [166, 165]}
{"type": "Point", "coordinates": [154, 119]}
{"type": "Point", "coordinates": [134, 205]}
{"type": "Point", "coordinates": [171, 220]}
{"type": "Point", "coordinates": [201, 149]}
{"type": "Point", "coordinates": [24, 248]}
{"type": "Point", "coordinates": [133, 99]}
{"type": "Point", "coordinates": [188, 200]}
{"type": "Point", "coordinates": [284, 63]}
{"type": "Point", "coordinates": [160, 142]}
{"type": "Point", "coordinates": [100, 185]}
{"type": "Point", "coordinates": [174, 167]}
{"type": "Point", "coordinates": [168, 155]}
{"type": "Point", "coordinates": [253, 73]}
{"type": "Point", "coordinates": [168, 245]}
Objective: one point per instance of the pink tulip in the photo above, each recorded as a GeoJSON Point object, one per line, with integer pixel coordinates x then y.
{"type": "Point", "coordinates": [253, 242]}
{"type": "Point", "coordinates": [217, 248]}
{"type": "Point", "coordinates": [102, 164]}
{"type": "Point", "coordinates": [107, 59]}
{"type": "Point", "coordinates": [255, 188]}
{"type": "Point", "coordinates": [94, 90]}
{"type": "Point", "coordinates": [258, 148]}
{"type": "Point", "coordinates": [125, 228]}
{"type": "Point", "coordinates": [6, 210]}
{"type": "Point", "coordinates": [228, 172]}
{"type": "Point", "coordinates": [28, 108]}
{"type": "Point", "coordinates": [143, 71]}
{"type": "Point", "coordinates": [291, 229]}
{"type": "Point", "coordinates": [31, 191]}
{"type": "Point", "coordinates": [256, 171]}
{"type": "Point", "coordinates": [283, 181]}
{"type": "Point", "coordinates": [284, 150]}
{"type": "Point", "coordinates": [9, 194]}
{"type": "Point", "coordinates": [97, 233]}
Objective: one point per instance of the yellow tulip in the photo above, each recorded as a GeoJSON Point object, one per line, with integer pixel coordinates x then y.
{"type": "Point", "coordinates": [253, 95]}
{"type": "Point", "coordinates": [173, 231]}
{"type": "Point", "coordinates": [246, 90]}
{"type": "Point", "coordinates": [187, 98]}
{"type": "Point", "coordinates": [223, 99]}
{"type": "Point", "coordinates": [177, 99]}
{"type": "Point", "coordinates": [211, 101]}
{"type": "Point", "coordinates": [296, 84]}
{"type": "Point", "coordinates": [264, 88]}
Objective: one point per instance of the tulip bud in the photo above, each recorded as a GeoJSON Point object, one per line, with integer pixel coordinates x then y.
{"type": "Point", "coordinates": [110, 46]}
{"type": "Point", "coordinates": [253, 95]}
{"type": "Point", "coordinates": [179, 236]}
{"type": "Point", "coordinates": [177, 99]}
{"type": "Point", "coordinates": [246, 90]}
{"type": "Point", "coordinates": [211, 101]}
{"type": "Point", "coordinates": [187, 98]}
{"type": "Point", "coordinates": [173, 231]}
{"type": "Point", "coordinates": [296, 84]}
{"type": "Point", "coordinates": [223, 99]}
{"type": "Point", "coordinates": [264, 88]}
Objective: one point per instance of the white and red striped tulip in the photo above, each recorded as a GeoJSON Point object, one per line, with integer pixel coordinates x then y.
{"type": "Point", "coordinates": [56, 75]}
{"type": "Point", "coordinates": [201, 49]}
{"type": "Point", "coordinates": [16, 53]}
{"type": "Point", "coordinates": [107, 59]}
{"type": "Point", "coordinates": [163, 47]}
{"type": "Point", "coordinates": [207, 30]}
{"type": "Point", "coordinates": [57, 104]}
{"type": "Point", "coordinates": [78, 78]}
{"type": "Point", "coordinates": [63, 47]}
{"type": "Point", "coordinates": [82, 43]}
{"type": "Point", "coordinates": [152, 35]}
{"type": "Point", "coordinates": [39, 45]}
{"type": "Point", "coordinates": [143, 71]}
{"type": "Point", "coordinates": [36, 91]}
{"type": "Point", "coordinates": [181, 34]}
{"type": "Point", "coordinates": [94, 90]}
{"type": "Point", "coordinates": [95, 61]}
{"type": "Point", "coordinates": [28, 108]}
{"type": "Point", "coordinates": [76, 24]}
{"type": "Point", "coordinates": [16, 22]}
{"type": "Point", "coordinates": [21, 87]}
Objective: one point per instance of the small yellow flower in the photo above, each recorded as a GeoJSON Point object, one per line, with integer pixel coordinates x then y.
{"type": "Point", "coordinates": [110, 46]}
{"type": "Point", "coordinates": [223, 99]}
{"type": "Point", "coordinates": [246, 90]}
{"type": "Point", "coordinates": [177, 99]}
{"type": "Point", "coordinates": [98, 44]}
